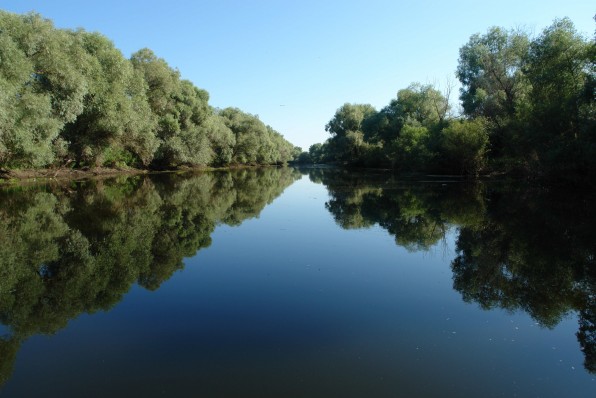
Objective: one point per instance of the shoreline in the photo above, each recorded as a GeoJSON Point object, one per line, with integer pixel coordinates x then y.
{"type": "Point", "coordinates": [8, 176]}
{"type": "Point", "coordinates": [39, 175]}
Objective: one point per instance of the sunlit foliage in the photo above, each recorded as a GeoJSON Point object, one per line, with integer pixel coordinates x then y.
{"type": "Point", "coordinates": [71, 98]}
{"type": "Point", "coordinates": [529, 108]}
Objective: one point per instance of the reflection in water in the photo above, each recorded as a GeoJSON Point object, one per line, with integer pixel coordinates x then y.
{"type": "Point", "coordinates": [534, 251]}
{"type": "Point", "coordinates": [529, 250]}
{"type": "Point", "coordinates": [68, 250]}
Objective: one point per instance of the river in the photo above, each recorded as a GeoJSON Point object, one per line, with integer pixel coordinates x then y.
{"type": "Point", "coordinates": [279, 282]}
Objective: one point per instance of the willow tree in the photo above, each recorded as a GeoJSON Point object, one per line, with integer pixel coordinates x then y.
{"type": "Point", "coordinates": [116, 125]}
{"type": "Point", "coordinates": [347, 142]}
{"type": "Point", "coordinates": [494, 86]}
{"type": "Point", "coordinates": [560, 67]}
{"type": "Point", "coordinates": [181, 109]}
{"type": "Point", "coordinates": [40, 89]}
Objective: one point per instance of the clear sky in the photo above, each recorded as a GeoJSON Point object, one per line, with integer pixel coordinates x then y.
{"type": "Point", "coordinates": [294, 63]}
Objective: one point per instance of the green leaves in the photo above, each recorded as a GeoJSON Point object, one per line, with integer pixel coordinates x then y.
{"type": "Point", "coordinates": [252, 142]}
{"type": "Point", "coordinates": [537, 95]}
{"type": "Point", "coordinates": [490, 71]}
{"type": "Point", "coordinates": [349, 118]}
{"type": "Point", "coordinates": [529, 107]}
{"type": "Point", "coordinates": [465, 144]}
{"type": "Point", "coordinates": [72, 96]}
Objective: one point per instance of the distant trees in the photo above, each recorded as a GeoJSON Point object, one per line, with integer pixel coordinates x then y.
{"type": "Point", "coordinates": [347, 138]}
{"type": "Point", "coordinates": [529, 106]}
{"type": "Point", "coordinates": [403, 135]}
{"type": "Point", "coordinates": [254, 142]}
{"type": "Point", "coordinates": [70, 97]}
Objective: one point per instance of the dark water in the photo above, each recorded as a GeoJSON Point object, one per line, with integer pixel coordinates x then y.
{"type": "Point", "coordinates": [280, 283]}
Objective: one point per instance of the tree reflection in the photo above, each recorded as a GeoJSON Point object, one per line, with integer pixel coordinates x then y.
{"type": "Point", "coordinates": [418, 215]}
{"type": "Point", "coordinates": [534, 251]}
{"type": "Point", "coordinates": [516, 249]}
{"type": "Point", "coordinates": [68, 250]}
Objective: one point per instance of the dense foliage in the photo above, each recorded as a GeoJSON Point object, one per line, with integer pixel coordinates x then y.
{"type": "Point", "coordinates": [65, 252]}
{"type": "Point", "coordinates": [516, 248]}
{"type": "Point", "coordinates": [528, 107]}
{"type": "Point", "coordinates": [71, 98]}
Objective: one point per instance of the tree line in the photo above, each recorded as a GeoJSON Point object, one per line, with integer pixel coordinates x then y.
{"type": "Point", "coordinates": [528, 107]}
{"type": "Point", "coordinates": [71, 98]}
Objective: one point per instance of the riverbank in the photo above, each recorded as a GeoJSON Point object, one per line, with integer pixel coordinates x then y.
{"type": "Point", "coordinates": [64, 174]}
{"type": "Point", "coordinates": [7, 176]}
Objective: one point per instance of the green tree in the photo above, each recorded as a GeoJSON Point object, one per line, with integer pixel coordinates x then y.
{"type": "Point", "coordinates": [494, 85]}
{"type": "Point", "coordinates": [41, 89]}
{"type": "Point", "coordinates": [560, 67]}
{"type": "Point", "coordinates": [116, 125]}
{"type": "Point", "coordinates": [316, 153]}
{"type": "Point", "coordinates": [347, 139]}
{"type": "Point", "coordinates": [490, 71]}
{"type": "Point", "coordinates": [247, 129]}
{"type": "Point", "coordinates": [421, 105]}
{"type": "Point", "coordinates": [222, 140]}
{"type": "Point", "coordinates": [464, 145]}
{"type": "Point", "coordinates": [182, 111]}
{"type": "Point", "coordinates": [410, 150]}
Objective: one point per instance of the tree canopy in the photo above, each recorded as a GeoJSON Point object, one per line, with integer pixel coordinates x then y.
{"type": "Point", "coordinates": [70, 97]}
{"type": "Point", "coordinates": [528, 108]}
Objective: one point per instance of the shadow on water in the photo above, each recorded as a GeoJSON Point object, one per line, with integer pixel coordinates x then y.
{"type": "Point", "coordinates": [517, 247]}
{"type": "Point", "coordinates": [66, 250]}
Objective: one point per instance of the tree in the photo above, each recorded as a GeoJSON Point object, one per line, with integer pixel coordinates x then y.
{"type": "Point", "coordinates": [349, 117]}
{"type": "Point", "coordinates": [557, 66]}
{"type": "Point", "coordinates": [494, 86]}
{"type": "Point", "coordinates": [222, 140]}
{"type": "Point", "coordinates": [315, 152]}
{"type": "Point", "coordinates": [464, 145]}
{"type": "Point", "coordinates": [421, 105]}
{"type": "Point", "coordinates": [182, 110]}
{"type": "Point", "coordinates": [347, 141]}
{"type": "Point", "coordinates": [409, 151]}
{"type": "Point", "coordinates": [417, 106]}
{"type": "Point", "coordinates": [116, 125]}
{"type": "Point", "coordinates": [560, 67]}
{"type": "Point", "coordinates": [41, 89]}
{"type": "Point", "coordinates": [248, 131]}
{"type": "Point", "coordinates": [71, 97]}
{"type": "Point", "coordinates": [490, 71]}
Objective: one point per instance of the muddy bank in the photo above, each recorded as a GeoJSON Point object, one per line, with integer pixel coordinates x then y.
{"type": "Point", "coordinates": [63, 174]}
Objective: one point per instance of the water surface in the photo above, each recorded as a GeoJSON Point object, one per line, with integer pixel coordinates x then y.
{"type": "Point", "coordinates": [276, 282]}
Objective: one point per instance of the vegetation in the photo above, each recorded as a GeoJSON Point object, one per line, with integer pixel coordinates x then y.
{"type": "Point", "coordinates": [528, 107]}
{"type": "Point", "coordinates": [516, 249]}
{"type": "Point", "coordinates": [70, 98]}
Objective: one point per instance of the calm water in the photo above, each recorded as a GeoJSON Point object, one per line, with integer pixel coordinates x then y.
{"type": "Point", "coordinates": [287, 283]}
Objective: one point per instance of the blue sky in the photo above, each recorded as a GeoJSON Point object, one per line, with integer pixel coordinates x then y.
{"type": "Point", "coordinates": [294, 63]}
